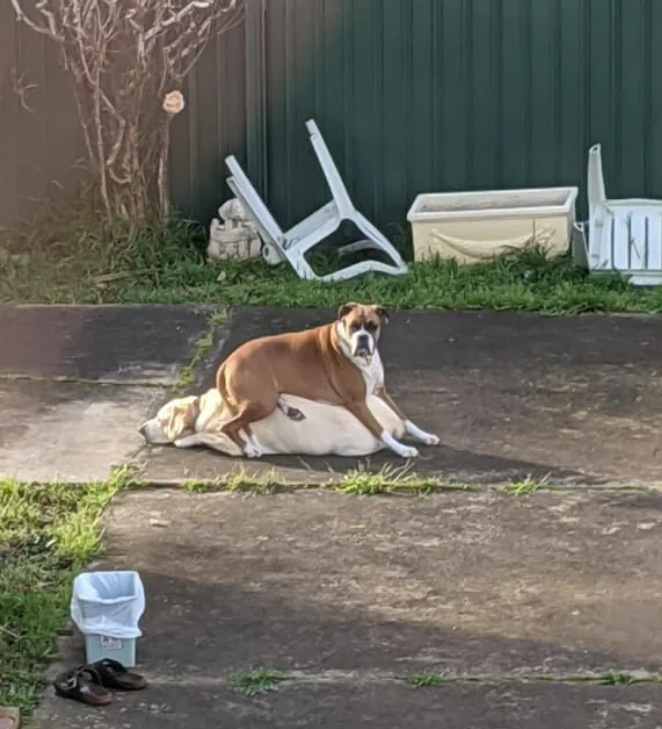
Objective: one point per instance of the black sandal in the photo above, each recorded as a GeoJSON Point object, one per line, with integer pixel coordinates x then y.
{"type": "Point", "coordinates": [112, 674]}
{"type": "Point", "coordinates": [84, 685]}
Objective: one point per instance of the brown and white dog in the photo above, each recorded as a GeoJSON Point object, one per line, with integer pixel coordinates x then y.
{"type": "Point", "coordinates": [337, 363]}
{"type": "Point", "coordinates": [322, 430]}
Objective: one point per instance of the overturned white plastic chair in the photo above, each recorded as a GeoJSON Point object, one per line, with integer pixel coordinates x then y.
{"type": "Point", "coordinates": [292, 245]}
{"type": "Point", "coordinates": [624, 236]}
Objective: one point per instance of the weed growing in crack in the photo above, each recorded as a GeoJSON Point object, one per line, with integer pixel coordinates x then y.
{"type": "Point", "coordinates": [617, 679]}
{"type": "Point", "coordinates": [424, 680]}
{"type": "Point", "coordinates": [363, 482]}
{"type": "Point", "coordinates": [201, 348]}
{"type": "Point", "coordinates": [526, 486]}
{"type": "Point", "coordinates": [258, 681]}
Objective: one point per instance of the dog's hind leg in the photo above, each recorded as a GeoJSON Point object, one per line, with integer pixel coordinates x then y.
{"type": "Point", "coordinates": [291, 412]}
{"type": "Point", "coordinates": [248, 412]}
{"type": "Point", "coordinates": [252, 447]}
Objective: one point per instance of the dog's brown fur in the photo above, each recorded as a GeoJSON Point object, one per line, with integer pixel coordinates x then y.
{"type": "Point", "coordinates": [310, 364]}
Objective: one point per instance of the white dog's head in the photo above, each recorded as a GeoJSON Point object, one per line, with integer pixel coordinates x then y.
{"type": "Point", "coordinates": [175, 419]}
{"type": "Point", "coordinates": [359, 327]}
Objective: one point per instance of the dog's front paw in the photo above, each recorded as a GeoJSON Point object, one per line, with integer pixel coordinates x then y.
{"type": "Point", "coordinates": [408, 452]}
{"type": "Point", "coordinates": [252, 451]}
{"type": "Point", "coordinates": [430, 439]}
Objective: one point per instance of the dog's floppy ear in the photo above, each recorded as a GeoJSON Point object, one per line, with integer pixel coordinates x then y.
{"type": "Point", "coordinates": [382, 313]}
{"type": "Point", "coordinates": [346, 308]}
{"type": "Point", "coordinates": [179, 420]}
{"type": "Point", "coordinates": [175, 425]}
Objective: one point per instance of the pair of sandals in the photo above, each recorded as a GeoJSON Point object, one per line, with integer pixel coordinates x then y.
{"type": "Point", "coordinates": [90, 684]}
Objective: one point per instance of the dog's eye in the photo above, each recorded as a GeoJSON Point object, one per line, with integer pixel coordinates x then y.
{"type": "Point", "coordinates": [354, 327]}
{"type": "Point", "coordinates": [370, 326]}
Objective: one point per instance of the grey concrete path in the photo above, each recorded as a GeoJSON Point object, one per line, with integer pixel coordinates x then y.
{"type": "Point", "coordinates": [512, 599]}
{"type": "Point", "coordinates": [350, 596]}
{"type": "Point", "coordinates": [510, 395]}
{"type": "Point", "coordinates": [75, 382]}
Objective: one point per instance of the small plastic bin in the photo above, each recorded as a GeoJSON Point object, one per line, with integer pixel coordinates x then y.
{"type": "Point", "coordinates": [107, 607]}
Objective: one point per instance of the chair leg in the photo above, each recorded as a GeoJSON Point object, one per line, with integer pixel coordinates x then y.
{"type": "Point", "coordinates": [381, 241]}
{"type": "Point", "coordinates": [360, 245]}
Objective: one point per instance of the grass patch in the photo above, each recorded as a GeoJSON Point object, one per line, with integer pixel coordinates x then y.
{"type": "Point", "coordinates": [68, 256]}
{"type": "Point", "coordinates": [257, 682]}
{"type": "Point", "coordinates": [424, 680]}
{"type": "Point", "coordinates": [527, 282]}
{"type": "Point", "coordinates": [240, 481]}
{"type": "Point", "coordinates": [48, 533]}
{"type": "Point", "coordinates": [362, 481]}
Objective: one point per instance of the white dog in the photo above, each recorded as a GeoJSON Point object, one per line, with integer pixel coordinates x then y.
{"type": "Point", "coordinates": [325, 429]}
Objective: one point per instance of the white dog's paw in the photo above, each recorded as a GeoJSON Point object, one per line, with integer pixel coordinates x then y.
{"type": "Point", "coordinates": [408, 452]}
{"type": "Point", "coordinates": [430, 439]}
{"type": "Point", "coordinates": [251, 450]}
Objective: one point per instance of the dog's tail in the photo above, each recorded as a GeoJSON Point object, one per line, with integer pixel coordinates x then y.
{"type": "Point", "coordinates": [220, 383]}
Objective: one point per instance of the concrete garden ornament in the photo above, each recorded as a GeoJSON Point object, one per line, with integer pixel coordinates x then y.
{"type": "Point", "coordinates": [235, 237]}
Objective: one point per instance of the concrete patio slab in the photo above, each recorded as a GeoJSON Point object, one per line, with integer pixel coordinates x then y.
{"type": "Point", "coordinates": [360, 705]}
{"type": "Point", "coordinates": [69, 431]}
{"type": "Point", "coordinates": [349, 593]}
{"type": "Point", "coordinates": [511, 395]}
{"type": "Point", "coordinates": [139, 344]}
{"type": "Point", "coordinates": [462, 583]}
{"type": "Point", "coordinates": [75, 383]}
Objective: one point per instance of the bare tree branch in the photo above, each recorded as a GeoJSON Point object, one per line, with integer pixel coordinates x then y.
{"type": "Point", "coordinates": [128, 59]}
{"type": "Point", "coordinates": [22, 90]}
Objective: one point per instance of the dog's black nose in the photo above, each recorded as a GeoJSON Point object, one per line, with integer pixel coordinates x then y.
{"type": "Point", "coordinates": [142, 429]}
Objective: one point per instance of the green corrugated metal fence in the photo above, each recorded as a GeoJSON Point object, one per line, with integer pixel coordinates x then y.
{"type": "Point", "coordinates": [435, 95]}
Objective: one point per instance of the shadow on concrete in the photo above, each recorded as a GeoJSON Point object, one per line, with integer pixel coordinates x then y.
{"type": "Point", "coordinates": [352, 591]}
{"type": "Point", "coordinates": [146, 344]}
{"type": "Point", "coordinates": [197, 635]}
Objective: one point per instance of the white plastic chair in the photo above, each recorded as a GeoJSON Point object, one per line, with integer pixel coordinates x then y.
{"type": "Point", "coordinates": [623, 235]}
{"type": "Point", "coordinates": [292, 245]}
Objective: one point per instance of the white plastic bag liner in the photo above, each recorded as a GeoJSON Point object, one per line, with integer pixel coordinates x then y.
{"type": "Point", "coordinates": [108, 603]}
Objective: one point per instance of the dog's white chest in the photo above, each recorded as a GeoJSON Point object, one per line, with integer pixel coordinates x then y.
{"type": "Point", "coordinates": [373, 373]}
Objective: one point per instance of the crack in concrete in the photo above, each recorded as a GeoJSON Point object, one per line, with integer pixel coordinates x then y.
{"type": "Point", "coordinates": [265, 487]}
{"type": "Point", "coordinates": [68, 380]}
{"type": "Point", "coordinates": [202, 347]}
{"type": "Point", "coordinates": [416, 680]}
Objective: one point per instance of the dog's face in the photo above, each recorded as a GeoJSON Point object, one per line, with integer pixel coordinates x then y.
{"type": "Point", "coordinates": [360, 326]}
{"type": "Point", "coordinates": [175, 419]}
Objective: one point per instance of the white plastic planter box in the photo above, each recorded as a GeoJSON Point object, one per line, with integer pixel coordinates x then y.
{"type": "Point", "coordinates": [474, 227]}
